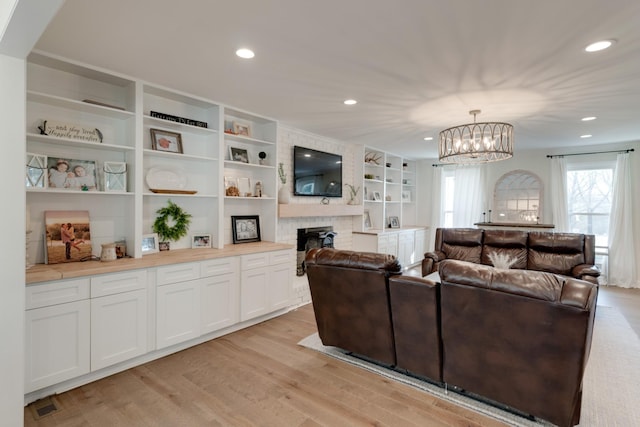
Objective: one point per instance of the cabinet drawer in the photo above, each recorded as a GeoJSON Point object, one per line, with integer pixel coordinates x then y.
{"type": "Point", "coordinates": [110, 284]}
{"type": "Point", "coordinates": [59, 292]}
{"type": "Point", "coordinates": [280, 257]}
{"type": "Point", "coordinates": [178, 273]}
{"type": "Point", "coordinates": [216, 267]}
{"type": "Point", "coordinates": [248, 262]}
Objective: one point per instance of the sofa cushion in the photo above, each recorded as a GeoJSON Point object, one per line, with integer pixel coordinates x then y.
{"type": "Point", "coordinates": [463, 244]}
{"type": "Point", "coordinates": [505, 243]}
{"type": "Point", "coordinates": [555, 252]}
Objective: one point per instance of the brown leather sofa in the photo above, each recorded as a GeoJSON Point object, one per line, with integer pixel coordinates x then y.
{"type": "Point", "coordinates": [568, 254]}
{"type": "Point", "coordinates": [516, 338]}
{"type": "Point", "coordinates": [520, 338]}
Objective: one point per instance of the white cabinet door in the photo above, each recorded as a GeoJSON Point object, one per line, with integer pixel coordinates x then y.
{"type": "Point", "coordinates": [219, 302]}
{"type": "Point", "coordinates": [280, 282]}
{"type": "Point", "coordinates": [388, 244]}
{"type": "Point", "coordinates": [406, 247]}
{"type": "Point", "coordinates": [57, 344]}
{"type": "Point", "coordinates": [118, 328]}
{"type": "Point", "coordinates": [178, 313]}
{"type": "Point", "coordinates": [254, 296]}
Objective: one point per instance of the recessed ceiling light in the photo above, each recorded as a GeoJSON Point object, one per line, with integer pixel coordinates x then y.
{"type": "Point", "coordinates": [598, 46]}
{"type": "Point", "coordinates": [588, 119]}
{"type": "Point", "coordinates": [245, 53]}
{"type": "Point", "coordinates": [428, 138]}
{"type": "Point", "coordinates": [586, 136]}
{"type": "Point", "coordinates": [350, 102]}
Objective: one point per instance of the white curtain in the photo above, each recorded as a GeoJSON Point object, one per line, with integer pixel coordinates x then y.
{"type": "Point", "coordinates": [559, 207]}
{"type": "Point", "coordinates": [622, 267]}
{"type": "Point", "coordinates": [437, 202]}
{"type": "Point", "coordinates": [468, 198]}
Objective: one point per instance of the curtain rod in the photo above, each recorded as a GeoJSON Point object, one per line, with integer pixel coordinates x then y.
{"type": "Point", "coordinates": [549, 156]}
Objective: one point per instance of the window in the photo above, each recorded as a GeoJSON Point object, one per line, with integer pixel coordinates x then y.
{"type": "Point", "coordinates": [589, 194]}
{"type": "Point", "coordinates": [517, 198]}
{"type": "Point", "coordinates": [449, 181]}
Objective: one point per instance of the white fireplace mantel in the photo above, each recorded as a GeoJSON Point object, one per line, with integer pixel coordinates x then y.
{"type": "Point", "coordinates": [296, 210]}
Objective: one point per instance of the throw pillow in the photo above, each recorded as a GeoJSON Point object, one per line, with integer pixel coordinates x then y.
{"type": "Point", "coordinates": [502, 261]}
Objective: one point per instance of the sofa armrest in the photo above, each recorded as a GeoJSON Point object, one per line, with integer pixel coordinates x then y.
{"type": "Point", "coordinates": [430, 261]}
{"type": "Point", "coordinates": [582, 270]}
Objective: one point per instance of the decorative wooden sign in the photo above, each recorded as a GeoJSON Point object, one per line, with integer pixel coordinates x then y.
{"type": "Point", "coordinates": [70, 131]}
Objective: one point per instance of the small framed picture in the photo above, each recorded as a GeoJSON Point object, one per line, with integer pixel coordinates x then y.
{"type": "Point", "coordinates": [163, 140]}
{"type": "Point", "coordinates": [70, 174]}
{"type": "Point", "coordinates": [244, 186]}
{"type": "Point", "coordinates": [406, 196]}
{"type": "Point", "coordinates": [367, 220]}
{"type": "Point", "coordinates": [243, 129]}
{"type": "Point", "coordinates": [245, 228]}
{"type": "Point", "coordinates": [150, 244]}
{"type": "Point", "coordinates": [394, 222]}
{"type": "Point", "coordinates": [201, 241]}
{"type": "Point", "coordinates": [238, 154]}
{"type": "Point", "coordinates": [376, 196]}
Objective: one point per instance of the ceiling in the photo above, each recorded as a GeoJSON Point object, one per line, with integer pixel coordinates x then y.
{"type": "Point", "coordinates": [415, 66]}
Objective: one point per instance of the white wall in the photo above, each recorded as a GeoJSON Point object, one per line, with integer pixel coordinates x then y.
{"type": "Point", "coordinates": [12, 250]}
{"type": "Point", "coordinates": [537, 162]}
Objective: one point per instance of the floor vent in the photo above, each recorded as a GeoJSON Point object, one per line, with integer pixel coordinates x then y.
{"type": "Point", "coordinates": [43, 407]}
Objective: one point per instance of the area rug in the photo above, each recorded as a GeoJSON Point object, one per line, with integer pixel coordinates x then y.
{"type": "Point", "coordinates": [611, 388]}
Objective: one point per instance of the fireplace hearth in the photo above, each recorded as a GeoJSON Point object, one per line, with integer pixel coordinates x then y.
{"type": "Point", "coordinates": [309, 238]}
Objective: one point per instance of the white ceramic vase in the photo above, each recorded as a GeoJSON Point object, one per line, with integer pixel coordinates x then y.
{"type": "Point", "coordinates": [283, 195]}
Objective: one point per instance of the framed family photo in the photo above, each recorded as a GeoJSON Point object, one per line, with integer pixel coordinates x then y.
{"type": "Point", "coordinates": [201, 241]}
{"type": "Point", "coordinates": [163, 140]}
{"type": "Point", "coordinates": [243, 129]}
{"type": "Point", "coordinates": [70, 174]}
{"type": "Point", "coordinates": [245, 228]}
{"type": "Point", "coordinates": [394, 222]}
{"type": "Point", "coordinates": [68, 236]}
{"type": "Point", "coordinates": [150, 244]}
{"type": "Point", "coordinates": [238, 154]}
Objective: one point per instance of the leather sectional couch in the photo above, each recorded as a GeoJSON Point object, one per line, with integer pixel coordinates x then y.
{"type": "Point", "coordinates": [515, 338]}
{"type": "Point", "coordinates": [569, 254]}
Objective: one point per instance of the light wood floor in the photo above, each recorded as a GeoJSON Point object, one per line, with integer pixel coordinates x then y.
{"type": "Point", "coordinates": [260, 376]}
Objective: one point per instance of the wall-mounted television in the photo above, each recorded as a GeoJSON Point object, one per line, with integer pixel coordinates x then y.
{"type": "Point", "coordinates": [316, 173]}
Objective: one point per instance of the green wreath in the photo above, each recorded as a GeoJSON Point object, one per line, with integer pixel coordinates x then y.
{"type": "Point", "coordinates": [180, 218]}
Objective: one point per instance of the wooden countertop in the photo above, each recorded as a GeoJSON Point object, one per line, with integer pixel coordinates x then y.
{"type": "Point", "coordinates": [47, 272]}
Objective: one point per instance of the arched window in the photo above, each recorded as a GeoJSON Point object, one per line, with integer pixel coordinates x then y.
{"type": "Point", "coordinates": [517, 198]}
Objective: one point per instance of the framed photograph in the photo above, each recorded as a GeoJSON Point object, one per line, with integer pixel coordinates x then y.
{"type": "Point", "coordinates": [244, 186]}
{"type": "Point", "coordinates": [201, 241]}
{"type": "Point", "coordinates": [150, 244]}
{"type": "Point", "coordinates": [367, 220]}
{"type": "Point", "coordinates": [115, 176]}
{"type": "Point", "coordinates": [238, 154]}
{"type": "Point", "coordinates": [69, 174]}
{"type": "Point", "coordinates": [163, 140]}
{"type": "Point", "coordinates": [245, 228]}
{"type": "Point", "coordinates": [394, 222]}
{"type": "Point", "coordinates": [406, 196]}
{"type": "Point", "coordinates": [376, 196]}
{"type": "Point", "coordinates": [243, 129]}
{"type": "Point", "coordinates": [68, 236]}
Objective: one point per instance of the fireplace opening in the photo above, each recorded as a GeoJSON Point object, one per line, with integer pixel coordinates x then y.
{"type": "Point", "coordinates": [309, 238]}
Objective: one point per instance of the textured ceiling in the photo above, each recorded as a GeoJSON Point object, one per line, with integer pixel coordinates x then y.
{"type": "Point", "coordinates": [415, 66]}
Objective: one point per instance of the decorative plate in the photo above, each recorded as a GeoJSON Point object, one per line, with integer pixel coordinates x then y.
{"type": "Point", "coordinates": [166, 179]}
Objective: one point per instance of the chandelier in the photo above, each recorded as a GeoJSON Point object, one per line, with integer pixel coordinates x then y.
{"type": "Point", "coordinates": [476, 142]}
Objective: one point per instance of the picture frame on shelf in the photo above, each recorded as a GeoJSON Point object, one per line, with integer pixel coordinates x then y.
{"type": "Point", "coordinates": [164, 140]}
{"type": "Point", "coordinates": [242, 129]}
{"type": "Point", "coordinates": [71, 174]}
{"type": "Point", "coordinates": [406, 196]}
{"type": "Point", "coordinates": [201, 240]}
{"type": "Point", "coordinates": [394, 222]}
{"type": "Point", "coordinates": [245, 228]}
{"type": "Point", "coordinates": [238, 154]}
{"type": "Point", "coordinates": [367, 220]}
{"type": "Point", "coordinates": [244, 186]}
{"type": "Point", "coordinates": [376, 196]}
{"type": "Point", "coordinates": [231, 186]}
{"type": "Point", "coordinates": [115, 176]}
{"type": "Point", "coordinates": [150, 244]}
{"type": "Point", "coordinates": [67, 236]}
{"type": "Point", "coordinates": [36, 171]}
